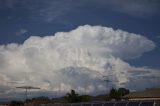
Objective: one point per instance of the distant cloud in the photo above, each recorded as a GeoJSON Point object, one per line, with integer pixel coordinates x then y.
{"type": "Point", "coordinates": [57, 10]}
{"type": "Point", "coordinates": [21, 32]}
{"type": "Point", "coordinates": [136, 8]}
{"type": "Point", "coordinates": [10, 3]}
{"type": "Point", "coordinates": [77, 59]}
{"type": "Point", "coordinates": [54, 10]}
{"type": "Point", "coordinates": [158, 37]}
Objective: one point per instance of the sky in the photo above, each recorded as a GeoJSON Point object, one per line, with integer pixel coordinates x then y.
{"type": "Point", "coordinates": [59, 45]}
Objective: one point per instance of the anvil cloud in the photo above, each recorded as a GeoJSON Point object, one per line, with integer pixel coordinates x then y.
{"type": "Point", "coordinates": [77, 60]}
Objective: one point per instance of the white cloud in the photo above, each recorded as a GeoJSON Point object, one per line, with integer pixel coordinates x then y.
{"type": "Point", "coordinates": [77, 60]}
{"type": "Point", "coordinates": [21, 32]}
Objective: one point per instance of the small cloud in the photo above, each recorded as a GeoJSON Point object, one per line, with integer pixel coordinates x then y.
{"type": "Point", "coordinates": [21, 32]}
{"type": "Point", "coordinates": [9, 17]}
{"type": "Point", "coordinates": [158, 37]}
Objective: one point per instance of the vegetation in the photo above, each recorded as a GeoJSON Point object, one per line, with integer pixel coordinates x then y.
{"type": "Point", "coordinates": [41, 98]}
{"type": "Point", "coordinates": [16, 103]}
{"type": "Point", "coordinates": [123, 91]}
{"type": "Point", "coordinates": [115, 94]}
{"type": "Point", "coordinates": [73, 97]}
{"type": "Point", "coordinates": [84, 98]}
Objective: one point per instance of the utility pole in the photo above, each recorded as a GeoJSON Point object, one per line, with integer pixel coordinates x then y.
{"type": "Point", "coordinates": [107, 82]}
{"type": "Point", "coordinates": [26, 89]}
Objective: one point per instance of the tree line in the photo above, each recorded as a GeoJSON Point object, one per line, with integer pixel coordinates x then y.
{"type": "Point", "coordinates": [114, 94]}
{"type": "Point", "coordinates": [73, 97]}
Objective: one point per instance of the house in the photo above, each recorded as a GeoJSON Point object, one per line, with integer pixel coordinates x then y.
{"type": "Point", "coordinates": [148, 94]}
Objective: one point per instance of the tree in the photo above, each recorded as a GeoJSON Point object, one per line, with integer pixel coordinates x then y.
{"type": "Point", "coordinates": [72, 97]}
{"type": "Point", "coordinates": [41, 98]}
{"type": "Point", "coordinates": [16, 103]}
{"type": "Point", "coordinates": [113, 94]}
{"type": "Point", "coordinates": [84, 98]}
{"type": "Point", "coordinates": [123, 91]}
{"type": "Point", "coordinates": [117, 94]}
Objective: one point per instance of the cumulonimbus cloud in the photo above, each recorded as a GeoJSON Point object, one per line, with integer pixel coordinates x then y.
{"type": "Point", "coordinates": [77, 60]}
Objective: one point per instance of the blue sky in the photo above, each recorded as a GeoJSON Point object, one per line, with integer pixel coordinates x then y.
{"type": "Point", "coordinates": [21, 19]}
{"type": "Point", "coordinates": [41, 18]}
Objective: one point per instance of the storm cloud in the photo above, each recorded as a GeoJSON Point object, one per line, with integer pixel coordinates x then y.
{"type": "Point", "coordinates": [78, 60]}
